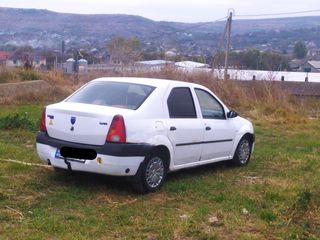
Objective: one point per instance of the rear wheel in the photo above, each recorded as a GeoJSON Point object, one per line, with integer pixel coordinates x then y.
{"type": "Point", "coordinates": [243, 152]}
{"type": "Point", "coordinates": [151, 174]}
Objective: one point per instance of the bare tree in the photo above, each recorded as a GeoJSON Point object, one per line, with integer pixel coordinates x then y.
{"type": "Point", "coordinates": [124, 51]}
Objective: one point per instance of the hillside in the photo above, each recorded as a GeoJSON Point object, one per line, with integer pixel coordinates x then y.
{"type": "Point", "coordinates": [43, 28]}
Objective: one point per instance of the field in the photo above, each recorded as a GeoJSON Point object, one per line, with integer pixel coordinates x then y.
{"type": "Point", "coordinates": [277, 196]}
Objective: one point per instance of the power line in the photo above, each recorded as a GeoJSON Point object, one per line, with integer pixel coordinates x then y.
{"type": "Point", "coordinates": [197, 25]}
{"type": "Point", "coordinates": [278, 14]}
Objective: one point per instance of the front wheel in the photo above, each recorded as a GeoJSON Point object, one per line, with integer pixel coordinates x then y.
{"type": "Point", "coordinates": [243, 152]}
{"type": "Point", "coordinates": [151, 174]}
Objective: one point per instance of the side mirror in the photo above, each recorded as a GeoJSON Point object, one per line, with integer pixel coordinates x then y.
{"type": "Point", "coordinates": [232, 114]}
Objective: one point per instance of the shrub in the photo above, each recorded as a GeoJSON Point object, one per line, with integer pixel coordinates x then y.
{"type": "Point", "coordinates": [17, 121]}
{"type": "Point", "coordinates": [27, 75]}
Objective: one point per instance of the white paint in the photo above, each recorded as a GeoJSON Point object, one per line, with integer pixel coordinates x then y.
{"type": "Point", "coordinates": [149, 124]}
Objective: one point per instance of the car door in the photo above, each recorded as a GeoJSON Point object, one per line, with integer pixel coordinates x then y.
{"type": "Point", "coordinates": [219, 131]}
{"type": "Point", "coordinates": [185, 129]}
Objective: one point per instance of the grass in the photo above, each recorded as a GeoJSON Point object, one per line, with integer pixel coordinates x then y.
{"type": "Point", "coordinates": [17, 74]}
{"type": "Point", "coordinates": [259, 99]}
{"type": "Point", "coordinates": [276, 196]}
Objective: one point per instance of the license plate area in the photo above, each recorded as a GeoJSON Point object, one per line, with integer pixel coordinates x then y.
{"type": "Point", "coordinates": [76, 154]}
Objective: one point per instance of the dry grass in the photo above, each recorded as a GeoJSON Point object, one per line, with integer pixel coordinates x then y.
{"type": "Point", "coordinates": [258, 100]}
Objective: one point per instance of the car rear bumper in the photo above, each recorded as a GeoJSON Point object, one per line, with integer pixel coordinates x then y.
{"type": "Point", "coordinates": [112, 159]}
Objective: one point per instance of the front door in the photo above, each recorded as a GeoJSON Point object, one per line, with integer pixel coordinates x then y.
{"type": "Point", "coordinates": [219, 131]}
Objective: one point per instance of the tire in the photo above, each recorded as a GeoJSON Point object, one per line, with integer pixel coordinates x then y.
{"type": "Point", "coordinates": [151, 174]}
{"type": "Point", "coordinates": [243, 152]}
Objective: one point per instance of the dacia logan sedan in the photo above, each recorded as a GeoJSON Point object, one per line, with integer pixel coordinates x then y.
{"type": "Point", "coordinates": [142, 128]}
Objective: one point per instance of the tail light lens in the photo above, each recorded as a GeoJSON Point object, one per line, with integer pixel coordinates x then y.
{"type": "Point", "coordinates": [117, 131]}
{"type": "Point", "coordinates": [42, 126]}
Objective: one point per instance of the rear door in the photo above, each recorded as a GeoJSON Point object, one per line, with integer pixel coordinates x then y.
{"type": "Point", "coordinates": [219, 132]}
{"type": "Point", "coordinates": [185, 129]}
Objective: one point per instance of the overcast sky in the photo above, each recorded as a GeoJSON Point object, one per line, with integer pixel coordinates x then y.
{"type": "Point", "coordinates": [170, 10]}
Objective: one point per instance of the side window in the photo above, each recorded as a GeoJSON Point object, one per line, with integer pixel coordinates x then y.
{"type": "Point", "coordinates": [180, 103]}
{"type": "Point", "coordinates": [210, 107]}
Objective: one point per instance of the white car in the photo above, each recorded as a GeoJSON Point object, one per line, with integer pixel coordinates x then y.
{"type": "Point", "coordinates": [142, 128]}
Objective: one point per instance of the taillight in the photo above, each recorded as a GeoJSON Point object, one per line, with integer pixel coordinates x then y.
{"type": "Point", "coordinates": [117, 131]}
{"type": "Point", "coordinates": [42, 126]}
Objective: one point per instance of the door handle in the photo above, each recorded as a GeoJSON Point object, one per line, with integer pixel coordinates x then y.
{"type": "Point", "coordinates": [173, 128]}
{"type": "Point", "coordinates": [208, 128]}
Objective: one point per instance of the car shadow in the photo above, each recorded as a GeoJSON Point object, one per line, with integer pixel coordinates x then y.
{"type": "Point", "coordinates": [121, 185]}
{"type": "Point", "coordinates": [198, 170]}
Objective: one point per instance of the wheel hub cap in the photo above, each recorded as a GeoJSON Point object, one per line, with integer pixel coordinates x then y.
{"type": "Point", "coordinates": [154, 172]}
{"type": "Point", "coordinates": [244, 151]}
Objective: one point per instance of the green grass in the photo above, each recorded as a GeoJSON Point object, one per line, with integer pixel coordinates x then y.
{"type": "Point", "coordinates": [276, 196]}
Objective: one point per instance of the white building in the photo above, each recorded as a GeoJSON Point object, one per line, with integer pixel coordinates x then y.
{"type": "Point", "coordinates": [191, 64]}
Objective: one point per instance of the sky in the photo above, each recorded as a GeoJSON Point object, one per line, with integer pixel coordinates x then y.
{"type": "Point", "coordinates": [172, 10]}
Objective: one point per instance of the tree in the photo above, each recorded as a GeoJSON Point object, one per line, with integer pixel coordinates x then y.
{"type": "Point", "coordinates": [124, 51]}
{"type": "Point", "coordinates": [24, 54]}
{"type": "Point", "coordinates": [300, 50]}
{"type": "Point", "coordinates": [254, 59]}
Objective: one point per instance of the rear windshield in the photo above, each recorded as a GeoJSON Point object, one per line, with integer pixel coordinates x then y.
{"type": "Point", "coordinates": [113, 94]}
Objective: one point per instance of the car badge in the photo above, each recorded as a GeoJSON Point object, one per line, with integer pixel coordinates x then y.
{"type": "Point", "coordinates": [73, 120]}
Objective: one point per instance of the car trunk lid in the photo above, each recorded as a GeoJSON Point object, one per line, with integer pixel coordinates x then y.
{"type": "Point", "coordinates": [80, 123]}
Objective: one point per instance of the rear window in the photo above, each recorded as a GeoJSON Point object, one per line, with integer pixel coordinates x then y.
{"type": "Point", "coordinates": [113, 94]}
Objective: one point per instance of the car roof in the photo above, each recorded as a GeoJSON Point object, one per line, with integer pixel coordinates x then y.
{"type": "Point", "coordinates": [148, 81]}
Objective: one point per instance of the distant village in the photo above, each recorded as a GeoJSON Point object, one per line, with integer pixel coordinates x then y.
{"type": "Point", "coordinates": [84, 60]}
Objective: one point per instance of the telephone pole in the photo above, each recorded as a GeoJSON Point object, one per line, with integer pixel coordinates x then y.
{"type": "Point", "coordinates": [226, 63]}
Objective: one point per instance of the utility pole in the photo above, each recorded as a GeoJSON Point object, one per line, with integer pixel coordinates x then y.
{"type": "Point", "coordinates": [216, 55]}
{"type": "Point", "coordinates": [226, 63]}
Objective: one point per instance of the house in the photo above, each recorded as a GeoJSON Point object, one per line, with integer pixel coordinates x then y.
{"type": "Point", "coordinates": [302, 65]}
{"type": "Point", "coordinates": [38, 61]}
{"type": "Point", "coordinates": [14, 61]}
{"type": "Point", "coordinates": [314, 53]}
{"type": "Point", "coordinates": [153, 63]}
{"type": "Point", "coordinates": [4, 56]}
{"type": "Point", "coordinates": [296, 65]}
{"type": "Point", "coordinates": [171, 53]}
{"type": "Point", "coordinates": [22, 59]}
{"type": "Point", "coordinates": [191, 64]}
{"type": "Point", "coordinates": [314, 66]}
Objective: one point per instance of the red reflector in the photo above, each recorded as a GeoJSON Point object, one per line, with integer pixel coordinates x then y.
{"type": "Point", "coordinates": [42, 126]}
{"type": "Point", "coordinates": [117, 131]}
